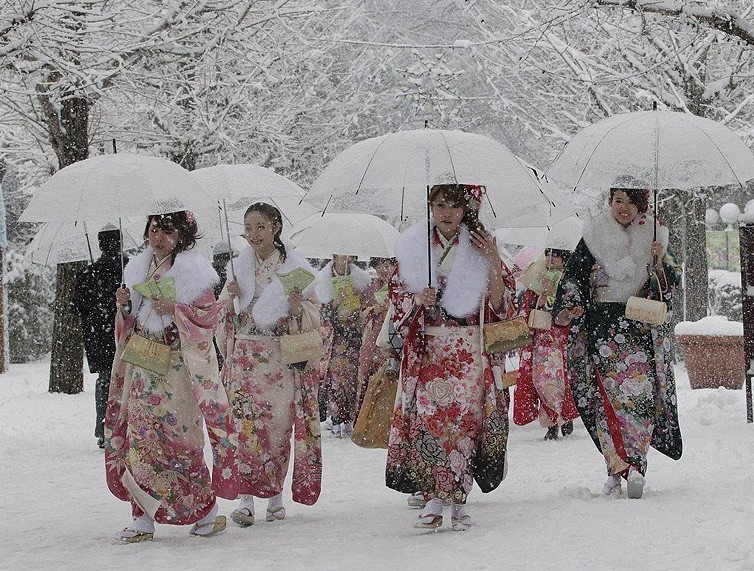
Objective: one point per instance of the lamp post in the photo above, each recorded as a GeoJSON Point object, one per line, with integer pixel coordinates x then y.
{"type": "Point", "coordinates": [729, 213]}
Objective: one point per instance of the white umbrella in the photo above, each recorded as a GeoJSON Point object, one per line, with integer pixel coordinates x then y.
{"type": "Point", "coordinates": [388, 176]}
{"type": "Point", "coordinates": [361, 235]}
{"type": "Point", "coordinates": [114, 186]}
{"type": "Point", "coordinates": [563, 235]}
{"type": "Point", "coordinates": [664, 148]}
{"type": "Point", "coordinates": [62, 242]}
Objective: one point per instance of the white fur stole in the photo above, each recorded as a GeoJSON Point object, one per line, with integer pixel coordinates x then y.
{"type": "Point", "coordinates": [467, 283]}
{"type": "Point", "coordinates": [623, 252]}
{"type": "Point", "coordinates": [193, 274]}
{"type": "Point", "coordinates": [272, 305]}
{"type": "Point", "coordinates": [323, 283]}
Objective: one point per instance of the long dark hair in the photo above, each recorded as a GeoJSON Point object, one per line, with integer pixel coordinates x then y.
{"type": "Point", "coordinates": [459, 196]}
{"type": "Point", "coordinates": [179, 222]}
{"type": "Point", "coordinates": [273, 215]}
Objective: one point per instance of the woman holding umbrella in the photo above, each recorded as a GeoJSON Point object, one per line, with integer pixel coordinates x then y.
{"type": "Point", "coordinates": [271, 401]}
{"type": "Point", "coordinates": [450, 424]}
{"type": "Point", "coordinates": [621, 369]}
{"type": "Point", "coordinates": [542, 388]}
{"type": "Point", "coordinates": [154, 433]}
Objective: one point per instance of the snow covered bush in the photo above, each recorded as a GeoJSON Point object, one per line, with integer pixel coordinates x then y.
{"type": "Point", "coordinates": [725, 294]}
{"type": "Point", "coordinates": [31, 291]}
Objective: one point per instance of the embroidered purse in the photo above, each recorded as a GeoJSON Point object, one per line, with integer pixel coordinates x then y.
{"type": "Point", "coordinates": [147, 354]}
{"type": "Point", "coordinates": [372, 427]}
{"type": "Point", "coordinates": [646, 310]}
{"type": "Point", "coordinates": [504, 336]}
{"type": "Point", "coordinates": [301, 347]}
{"type": "Point", "coordinates": [540, 319]}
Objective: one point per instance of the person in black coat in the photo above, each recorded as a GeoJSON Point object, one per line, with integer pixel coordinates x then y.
{"type": "Point", "coordinates": [94, 301]}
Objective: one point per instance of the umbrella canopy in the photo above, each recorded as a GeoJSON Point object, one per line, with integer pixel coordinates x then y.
{"type": "Point", "coordinates": [664, 148]}
{"type": "Point", "coordinates": [388, 176]}
{"type": "Point", "coordinates": [114, 186]}
{"type": "Point", "coordinates": [361, 235]}
{"type": "Point", "coordinates": [563, 235]}
{"type": "Point", "coordinates": [62, 242]}
{"type": "Point", "coordinates": [243, 184]}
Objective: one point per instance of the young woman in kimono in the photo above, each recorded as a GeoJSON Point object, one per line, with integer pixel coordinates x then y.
{"type": "Point", "coordinates": [450, 424]}
{"type": "Point", "coordinates": [542, 389]}
{"type": "Point", "coordinates": [621, 370]}
{"type": "Point", "coordinates": [340, 285]}
{"type": "Point", "coordinates": [154, 433]}
{"type": "Point", "coordinates": [373, 311]}
{"type": "Point", "coordinates": [270, 400]}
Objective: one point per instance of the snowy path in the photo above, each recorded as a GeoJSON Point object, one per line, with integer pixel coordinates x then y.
{"type": "Point", "coordinates": [696, 513]}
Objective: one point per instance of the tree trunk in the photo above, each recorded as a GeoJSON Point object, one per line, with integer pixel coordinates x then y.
{"type": "Point", "coordinates": [3, 320]}
{"type": "Point", "coordinates": [695, 259]}
{"type": "Point", "coordinates": [68, 134]}
{"type": "Point", "coordinates": [66, 363]}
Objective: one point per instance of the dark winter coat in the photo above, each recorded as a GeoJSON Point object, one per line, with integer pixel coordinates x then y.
{"type": "Point", "coordinates": [94, 301]}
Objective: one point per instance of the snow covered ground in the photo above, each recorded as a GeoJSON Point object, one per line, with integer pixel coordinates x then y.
{"type": "Point", "coordinates": [56, 512]}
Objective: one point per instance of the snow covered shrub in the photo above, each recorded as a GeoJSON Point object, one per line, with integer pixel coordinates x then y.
{"type": "Point", "coordinates": [725, 294]}
{"type": "Point", "coordinates": [31, 291]}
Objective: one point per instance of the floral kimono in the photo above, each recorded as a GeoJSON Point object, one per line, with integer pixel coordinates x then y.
{"type": "Point", "coordinates": [342, 361]}
{"type": "Point", "coordinates": [450, 424]}
{"type": "Point", "coordinates": [542, 389]}
{"type": "Point", "coordinates": [371, 357]}
{"type": "Point", "coordinates": [154, 425]}
{"type": "Point", "coordinates": [271, 401]}
{"type": "Point", "coordinates": [621, 370]}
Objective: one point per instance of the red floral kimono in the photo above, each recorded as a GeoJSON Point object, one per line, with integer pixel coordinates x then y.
{"type": "Point", "coordinates": [154, 425]}
{"type": "Point", "coordinates": [542, 388]}
{"type": "Point", "coordinates": [450, 424]}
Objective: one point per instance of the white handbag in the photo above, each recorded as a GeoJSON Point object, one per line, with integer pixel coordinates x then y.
{"type": "Point", "coordinates": [646, 310]}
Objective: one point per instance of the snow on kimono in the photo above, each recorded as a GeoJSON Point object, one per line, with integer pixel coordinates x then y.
{"type": "Point", "coordinates": [342, 360]}
{"type": "Point", "coordinates": [371, 357]}
{"type": "Point", "coordinates": [154, 433]}
{"type": "Point", "coordinates": [542, 388]}
{"type": "Point", "coordinates": [450, 424]}
{"type": "Point", "coordinates": [621, 370]}
{"type": "Point", "coordinates": [271, 401]}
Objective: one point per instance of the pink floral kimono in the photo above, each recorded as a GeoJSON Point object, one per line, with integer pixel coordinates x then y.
{"type": "Point", "coordinates": [543, 390]}
{"type": "Point", "coordinates": [450, 424]}
{"type": "Point", "coordinates": [271, 401]}
{"type": "Point", "coordinates": [340, 380]}
{"type": "Point", "coordinates": [154, 425]}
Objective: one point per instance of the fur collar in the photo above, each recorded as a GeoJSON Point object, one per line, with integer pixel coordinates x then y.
{"type": "Point", "coordinates": [623, 252]}
{"type": "Point", "coordinates": [361, 280]}
{"type": "Point", "coordinates": [272, 304]}
{"type": "Point", "coordinates": [467, 283]}
{"type": "Point", "coordinates": [193, 274]}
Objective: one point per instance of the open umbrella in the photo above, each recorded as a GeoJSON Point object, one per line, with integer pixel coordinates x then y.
{"type": "Point", "coordinates": [664, 148]}
{"type": "Point", "coordinates": [389, 175]}
{"type": "Point", "coordinates": [62, 242]}
{"type": "Point", "coordinates": [563, 235]}
{"type": "Point", "coordinates": [362, 235]}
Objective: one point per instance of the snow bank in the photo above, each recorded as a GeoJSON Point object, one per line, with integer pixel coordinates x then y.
{"type": "Point", "coordinates": [710, 325]}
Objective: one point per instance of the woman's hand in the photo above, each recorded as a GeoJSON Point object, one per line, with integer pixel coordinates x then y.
{"type": "Point", "coordinates": [294, 303]}
{"type": "Point", "coordinates": [485, 244]}
{"type": "Point", "coordinates": [568, 314]}
{"type": "Point", "coordinates": [427, 297]}
{"type": "Point", "coordinates": [548, 288]}
{"type": "Point", "coordinates": [657, 255]}
{"type": "Point", "coordinates": [163, 306]}
{"type": "Point", "coordinates": [234, 290]}
{"type": "Point", "coordinates": [122, 296]}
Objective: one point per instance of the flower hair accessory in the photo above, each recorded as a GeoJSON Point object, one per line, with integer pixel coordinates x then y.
{"type": "Point", "coordinates": [190, 217]}
{"type": "Point", "coordinates": [474, 194]}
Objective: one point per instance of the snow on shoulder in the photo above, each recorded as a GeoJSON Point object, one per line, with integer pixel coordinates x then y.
{"type": "Point", "coordinates": [717, 325]}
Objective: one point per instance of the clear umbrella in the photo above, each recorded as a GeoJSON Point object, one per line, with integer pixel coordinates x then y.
{"type": "Point", "coordinates": [388, 176]}
{"type": "Point", "coordinates": [362, 235]}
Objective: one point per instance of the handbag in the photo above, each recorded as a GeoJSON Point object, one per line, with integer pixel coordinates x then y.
{"type": "Point", "coordinates": [504, 336]}
{"type": "Point", "coordinates": [301, 347]}
{"type": "Point", "coordinates": [372, 427]}
{"type": "Point", "coordinates": [540, 319]}
{"type": "Point", "coordinates": [147, 354]}
{"type": "Point", "coordinates": [646, 310]}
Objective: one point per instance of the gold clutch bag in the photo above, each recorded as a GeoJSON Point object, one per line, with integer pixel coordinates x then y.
{"type": "Point", "coordinates": [503, 336]}
{"type": "Point", "coordinates": [646, 310]}
{"type": "Point", "coordinates": [301, 347]}
{"type": "Point", "coordinates": [147, 354]}
{"type": "Point", "coordinates": [540, 319]}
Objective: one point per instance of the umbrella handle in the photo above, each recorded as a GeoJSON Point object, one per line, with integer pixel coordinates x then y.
{"type": "Point", "coordinates": [236, 303]}
{"type": "Point", "coordinates": [429, 241]}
